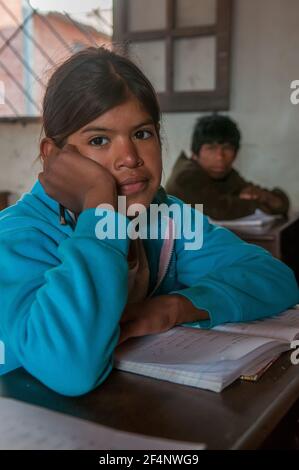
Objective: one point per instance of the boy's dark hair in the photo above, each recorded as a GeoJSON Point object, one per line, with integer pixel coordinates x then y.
{"type": "Point", "coordinates": [215, 128]}
{"type": "Point", "coordinates": [87, 85]}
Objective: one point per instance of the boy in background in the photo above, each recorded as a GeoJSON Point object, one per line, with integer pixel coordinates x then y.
{"type": "Point", "coordinates": [208, 177]}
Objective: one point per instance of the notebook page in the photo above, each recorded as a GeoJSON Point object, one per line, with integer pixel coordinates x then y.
{"type": "Point", "coordinates": [258, 219]}
{"type": "Point", "coordinates": [182, 345]}
{"type": "Point", "coordinates": [284, 327]}
{"type": "Point", "coordinates": [28, 427]}
{"type": "Point", "coordinates": [213, 376]}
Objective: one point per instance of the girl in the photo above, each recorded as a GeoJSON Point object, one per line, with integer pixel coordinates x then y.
{"type": "Point", "coordinates": [68, 297]}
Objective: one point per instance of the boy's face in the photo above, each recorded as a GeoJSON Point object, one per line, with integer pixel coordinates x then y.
{"type": "Point", "coordinates": [124, 140]}
{"type": "Point", "coordinates": [216, 159]}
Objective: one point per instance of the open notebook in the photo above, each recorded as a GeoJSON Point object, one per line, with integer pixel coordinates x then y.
{"type": "Point", "coordinates": [257, 219]}
{"type": "Point", "coordinates": [210, 359]}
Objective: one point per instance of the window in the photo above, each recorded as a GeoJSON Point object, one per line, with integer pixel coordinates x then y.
{"type": "Point", "coordinates": [35, 36]}
{"type": "Point", "coordinates": [183, 46]}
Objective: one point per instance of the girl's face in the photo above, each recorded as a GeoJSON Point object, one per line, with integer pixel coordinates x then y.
{"type": "Point", "coordinates": [124, 141]}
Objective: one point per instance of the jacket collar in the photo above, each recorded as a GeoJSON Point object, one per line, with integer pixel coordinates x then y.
{"type": "Point", "coordinates": [38, 191]}
{"type": "Point", "coordinates": [41, 196]}
{"type": "Point", "coordinates": [154, 248]}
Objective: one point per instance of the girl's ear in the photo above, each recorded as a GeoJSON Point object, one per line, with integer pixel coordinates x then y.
{"type": "Point", "coordinates": [47, 148]}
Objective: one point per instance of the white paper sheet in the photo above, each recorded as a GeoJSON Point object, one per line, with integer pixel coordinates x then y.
{"type": "Point", "coordinates": [182, 345]}
{"type": "Point", "coordinates": [257, 219]}
{"type": "Point", "coordinates": [28, 427]}
{"type": "Point", "coordinates": [284, 327]}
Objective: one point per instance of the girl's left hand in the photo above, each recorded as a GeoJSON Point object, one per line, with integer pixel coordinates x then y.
{"type": "Point", "coordinates": [157, 315]}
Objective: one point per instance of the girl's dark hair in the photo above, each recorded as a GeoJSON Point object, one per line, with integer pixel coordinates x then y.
{"type": "Point", "coordinates": [87, 85]}
{"type": "Point", "coordinates": [215, 128]}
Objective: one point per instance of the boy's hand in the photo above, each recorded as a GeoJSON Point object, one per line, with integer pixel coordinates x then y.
{"type": "Point", "coordinates": [270, 200]}
{"type": "Point", "coordinates": [156, 315]}
{"type": "Point", "coordinates": [75, 181]}
{"type": "Point", "coordinates": [250, 192]}
{"type": "Point", "coordinates": [266, 198]}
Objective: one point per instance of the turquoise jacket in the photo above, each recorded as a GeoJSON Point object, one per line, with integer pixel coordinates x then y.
{"type": "Point", "coordinates": [63, 291]}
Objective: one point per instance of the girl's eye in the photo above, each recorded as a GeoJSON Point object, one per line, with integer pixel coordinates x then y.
{"type": "Point", "coordinates": [99, 141]}
{"type": "Point", "coordinates": [143, 134]}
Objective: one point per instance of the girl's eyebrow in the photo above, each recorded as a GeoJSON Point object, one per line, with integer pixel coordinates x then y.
{"type": "Point", "coordinates": [105, 129]}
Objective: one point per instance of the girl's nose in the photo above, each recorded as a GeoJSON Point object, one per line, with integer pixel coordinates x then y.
{"type": "Point", "coordinates": [127, 155]}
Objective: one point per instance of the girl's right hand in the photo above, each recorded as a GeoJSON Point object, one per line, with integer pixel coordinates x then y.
{"type": "Point", "coordinates": [75, 181]}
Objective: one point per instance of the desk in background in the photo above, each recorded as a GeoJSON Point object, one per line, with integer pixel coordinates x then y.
{"type": "Point", "coordinates": [281, 239]}
{"type": "Point", "coordinates": [243, 416]}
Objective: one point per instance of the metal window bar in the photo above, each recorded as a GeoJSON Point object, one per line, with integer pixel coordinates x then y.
{"type": "Point", "coordinates": [21, 28]}
{"type": "Point", "coordinates": [101, 18]}
{"type": "Point", "coordinates": [86, 33]}
{"type": "Point", "coordinates": [16, 32]}
{"type": "Point", "coordinates": [18, 84]}
{"type": "Point", "coordinates": [12, 108]}
{"type": "Point", "coordinates": [26, 65]}
{"type": "Point", "coordinates": [50, 27]}
{"type": "Point", "coordinates": [25, 32]}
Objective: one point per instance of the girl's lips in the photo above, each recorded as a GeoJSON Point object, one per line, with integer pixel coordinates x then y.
{"type": "Point", "coordinates": [132, 188]}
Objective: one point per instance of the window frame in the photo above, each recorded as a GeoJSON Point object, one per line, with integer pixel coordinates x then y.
{"type": "Point", "coordinates": [180, 101]}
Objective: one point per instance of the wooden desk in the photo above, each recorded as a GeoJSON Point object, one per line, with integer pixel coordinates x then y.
{"type": "Point", "coordinates": [241, 417]}
{"type": "Point", "coordinates": [281, 239]}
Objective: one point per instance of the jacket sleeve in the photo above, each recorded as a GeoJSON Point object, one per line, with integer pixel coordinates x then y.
{"type": "Point", "coordinates": [60, 305]}
{"type": "Point", "coordinates": [233, 280]}
{"type": "Point", "coordinates": [217, 205]}
{"type": "Point", "coordinates": [285, 203]}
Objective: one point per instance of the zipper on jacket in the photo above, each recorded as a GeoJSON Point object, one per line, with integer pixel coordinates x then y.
{"type": "Point", "coordinates": [163, 268]}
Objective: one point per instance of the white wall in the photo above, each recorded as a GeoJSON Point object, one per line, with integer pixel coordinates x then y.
{"type": "Point", "coordinates": [265, 59]}
{"type": "Point", "coordinates": [19, 149]}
